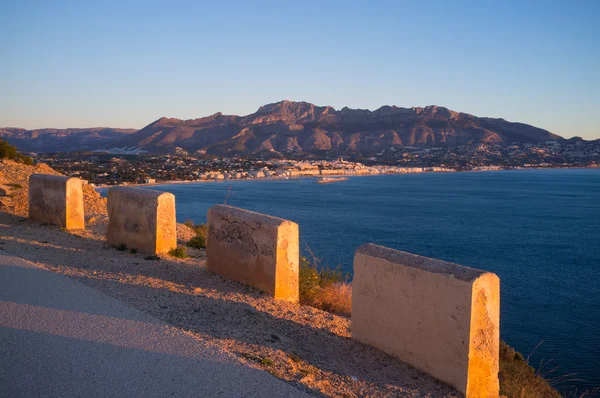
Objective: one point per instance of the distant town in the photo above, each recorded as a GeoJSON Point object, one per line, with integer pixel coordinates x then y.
{"type": "Point", "coordinates": [103, 168]}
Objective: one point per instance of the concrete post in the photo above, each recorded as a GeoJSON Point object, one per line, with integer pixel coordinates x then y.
{"type": "Point", "coordinates": [56, 200]}
{"type": "Point", "coordinates": [440, 317]}
{"type": "Point", "coordinates": [141, 219]}
{"type": "Point", "coordinates": [254, 249]}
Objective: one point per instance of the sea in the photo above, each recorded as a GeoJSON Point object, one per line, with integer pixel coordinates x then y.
{"type": "Point", "coordinates": [538, 230]}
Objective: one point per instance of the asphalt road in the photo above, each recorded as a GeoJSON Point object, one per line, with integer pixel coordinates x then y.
{"type": "Point", "coordinates": [60, 338]}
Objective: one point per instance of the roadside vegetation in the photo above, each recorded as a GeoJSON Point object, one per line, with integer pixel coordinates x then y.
{"type": "Point", "coordinates": [325, 288]}
{"type": "Point", "coordinates": [520, 380]}
{"type": "Point", "coordinates": [198, 241]}
{"type": "Point", "coordinates": [121, 247]}
{"type": "Point", "coordinates": [10, 152]}
{"type": "Point", "coordinates": [178, 252]}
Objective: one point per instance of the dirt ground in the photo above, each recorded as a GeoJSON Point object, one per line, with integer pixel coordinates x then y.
{"type": "Point", "coordinates": [306, 347]}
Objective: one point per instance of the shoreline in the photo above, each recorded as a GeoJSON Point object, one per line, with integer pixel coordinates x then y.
{"type": "Point", "coordinates": [270, 178]}
{"type": "Point", "coordinates": [345, 175]}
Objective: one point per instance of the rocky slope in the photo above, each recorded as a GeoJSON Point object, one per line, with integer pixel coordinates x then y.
{"type": "Point", "coordinates": [14, 199]}
{"type": "Point", "coordinates": [299, 127]}
{"type": "Point", "coordinates": [15, 176]}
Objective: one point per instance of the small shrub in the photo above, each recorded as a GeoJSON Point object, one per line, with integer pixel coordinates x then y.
{"type": "Point", "coordinates": [121, 247]}
{"type": "Point", "coordinates": [10, 152]}
{"type": "Point", "coordinates": [133, 251]}
{"type": "Point", "coordinates": [257, 358]}
{"type": "Point", "coordinates": [15, 186]}
{"type": "Point", "coordinates": [197, 242]}
{"type": "Point", "coordinates": [152, 257]}
{"type": "Point", "coordinates": [178, 252]}
{"type": "Point", "coordinates": [519, 379]}
{"type": "Point", "coordinates": [201, 230]}
{"type": "Point", "coordinates": [324, 288]}
{"type": "Point", "coordinates": [250, 356]}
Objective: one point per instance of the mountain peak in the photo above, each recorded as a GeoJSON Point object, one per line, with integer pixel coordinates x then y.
{"type": "Point", "coordinates": [166, 120]}
{"type": "Point", "coordinates": [286, 126]}
{"type": "Point", "coordinates": [284, 106]}
{"type": "Point", "coordinates": [289, 112]}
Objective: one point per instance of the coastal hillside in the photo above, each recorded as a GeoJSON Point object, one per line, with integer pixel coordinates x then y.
{"type": "Point", "coordinates": [293, 127]}
{"type": "Point", "coordinates": [14, 180]}
{"type": "Point", "coordinates": [63, 140]}
{"type": "Point", "coordinates": [14, 200]}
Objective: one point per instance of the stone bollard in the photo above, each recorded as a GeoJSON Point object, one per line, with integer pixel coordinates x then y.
{"type": "Point", "coordinates": [56, 200]}
{"type": "Point", "coordinates": [254, 249]}
{"type": "Point", "coordinates": [142, 219]}
{"type": "Point", "coordinates": [440, 317]}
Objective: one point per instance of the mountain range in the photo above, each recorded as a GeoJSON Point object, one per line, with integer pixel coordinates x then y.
{"type": "Point", "coordinates": [288, 126]}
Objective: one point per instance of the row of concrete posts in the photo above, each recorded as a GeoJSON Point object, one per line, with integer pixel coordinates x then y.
{"type": "Point", "coordinates": [442, 318]}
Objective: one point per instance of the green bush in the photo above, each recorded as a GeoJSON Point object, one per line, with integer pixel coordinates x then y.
{"type": "Point", "coordinates": [152, 257]}
{"type": "Point", "coordinates": [10, 152]}
{"type": "Point", "coordinates": [324, 288]}
{"type": "Point", "coordinates": [312, 279]}
{"type": "Point", "coordinates": [189, 224]}
{"type": "Point", "coordinates": [197, 242]}
{"type": "Point", "coordinates": [121, 247]}
{"type": "Point", "coordinates": [178, 252]}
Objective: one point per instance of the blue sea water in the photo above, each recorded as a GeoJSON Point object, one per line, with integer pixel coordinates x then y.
{"type": "Point", "coordinates": [539, 230]}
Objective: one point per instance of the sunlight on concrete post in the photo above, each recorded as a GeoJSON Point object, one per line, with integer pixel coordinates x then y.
{"type": "Point", "coordinates": [440, 317]}
{"type": "Point", "coordinates": [141, 219]}
{"type": "Point", "coordinates": [56, 200]}
{"type": "Point", "coordinates": [254, 249]}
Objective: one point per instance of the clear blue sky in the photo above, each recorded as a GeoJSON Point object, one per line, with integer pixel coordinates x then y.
{"type": "Point", "coordinates": [125, 63]}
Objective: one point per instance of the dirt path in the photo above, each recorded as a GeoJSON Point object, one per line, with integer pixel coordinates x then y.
{"type": "Point", "coordinates": [306, 347]}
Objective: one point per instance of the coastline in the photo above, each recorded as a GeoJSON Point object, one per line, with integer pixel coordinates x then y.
{"type": "Point", "coordinates": [316, 177]}
{"type": "Point", "coordinates": [270, 178]}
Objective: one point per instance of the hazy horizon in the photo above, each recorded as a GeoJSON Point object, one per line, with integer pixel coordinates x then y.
{"type": "Point", "coordinates": [125, 64]}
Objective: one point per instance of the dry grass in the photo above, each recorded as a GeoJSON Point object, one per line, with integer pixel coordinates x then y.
{"type": "Point", "coordinates": [519, 380]}
{"type": "Point", "coordinates": [335, 298]}
{"type": "Point", "coordinates": [324, 288]}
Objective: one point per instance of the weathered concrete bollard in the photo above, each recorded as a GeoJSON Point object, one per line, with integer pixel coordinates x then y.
{"type": "Point", "coordinates": [56, 200]}
{"type": "Point", "coordinates": [254, 249]}
{"type": "Point", "coordinates": [441, 317]}
{"type": "Point", "coordinates": [141, 219]}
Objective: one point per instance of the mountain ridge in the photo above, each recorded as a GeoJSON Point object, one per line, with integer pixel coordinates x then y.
{"type": "Point", "coordinates": [288, 126]}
